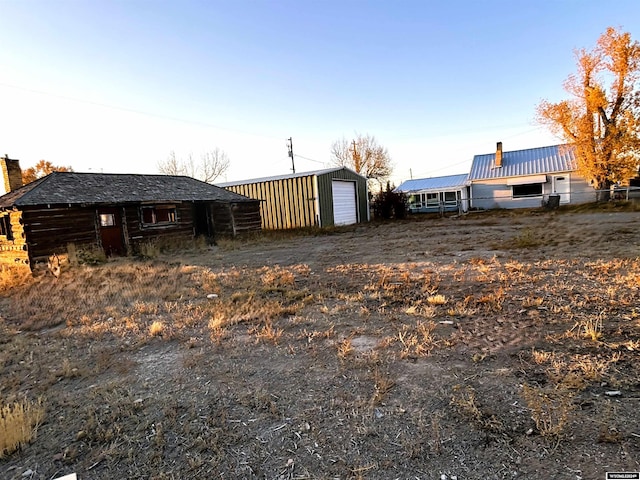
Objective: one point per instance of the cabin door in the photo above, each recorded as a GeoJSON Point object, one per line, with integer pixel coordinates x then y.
{"type": "Point", "coordinates": [202, 223]}
{"type": "Point", "coordinates": [110, 220]}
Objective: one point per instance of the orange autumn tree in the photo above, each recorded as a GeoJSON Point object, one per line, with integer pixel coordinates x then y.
{"type": "Point", "coordinates": [41, 169]}
{"type": "Point", "coordinates": [602, 119]}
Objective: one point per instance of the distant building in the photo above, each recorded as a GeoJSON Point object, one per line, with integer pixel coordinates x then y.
{"type": "Point", "coordinates": [114, 212]}
{"type": "Point", "coordinates": [526, 178]}
{"type": "Point", "coordinates": [437, 194]}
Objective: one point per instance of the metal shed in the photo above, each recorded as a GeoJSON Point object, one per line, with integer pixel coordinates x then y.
{"type": "Point", "coordinates": [321, 198]}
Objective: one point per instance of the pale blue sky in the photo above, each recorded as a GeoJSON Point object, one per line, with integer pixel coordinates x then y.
{"type": "Point", "coordinates": [114, 86]}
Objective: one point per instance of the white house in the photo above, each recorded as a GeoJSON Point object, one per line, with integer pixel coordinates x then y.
{"type": "Point", "coordinates": [449, 193]}
{"type": "Point", "coordinates": [527, 178]}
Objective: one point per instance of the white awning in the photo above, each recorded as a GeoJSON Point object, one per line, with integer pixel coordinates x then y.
{"type": "Point", "coordinates": [527, 180]}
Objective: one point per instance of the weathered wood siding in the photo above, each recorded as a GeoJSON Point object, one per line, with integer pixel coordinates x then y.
{"type": "Point", "coordinates": [246, 217]}
{"type": "Point", "coordinates": [136, 233]}
{"type": "Point", "coordinates": [37, 232]}
{"type": "Point", "coordinates": [222, 219]}
{"type": "Point", "coordinates": [13, 248]}
{"type": "Point", "coordinates": [49, 230]}
{"type": "Point", "coordinates": [231, 219]}
{"type": "Point", "coordinates": [284, 204]}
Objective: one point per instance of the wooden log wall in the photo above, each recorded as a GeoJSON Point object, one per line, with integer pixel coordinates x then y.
{"type": "Point", "coordinates": [40, 231]}
{"type": "Point", "coordinates": [49, 230]}
{"type": "Point", "coordinates": [222, 219]}
{"type": "Point", "coordinates": [138, 233]}
{"type": "Point", "coordinates": [246, 217]}
{"type": "Point", "coordinates": [231, 219]}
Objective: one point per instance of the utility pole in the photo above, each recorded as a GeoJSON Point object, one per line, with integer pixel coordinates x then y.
{"type": "Point", "coordinates": [411, 174]}
{"type": "Point", "coordinates": [356, 158]}
{"type": "Point", "coordinates": [290, 153]}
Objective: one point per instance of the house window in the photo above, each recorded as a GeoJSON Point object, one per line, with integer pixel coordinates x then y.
{"type": "Point", "coordinates": [433, 200]}
{"type": "Point", "coordinates": [159, 215]}
{"type": "Point", "coordinates": [5, 227]}
{"type": "Point", "coordinates": [528, 190]}
{"type": "Point", "coordinates": [417, 200]}
{"type": "Point", "coordinates": [107, 220]}
{"type": "Point", "coordinates": [450, 197]}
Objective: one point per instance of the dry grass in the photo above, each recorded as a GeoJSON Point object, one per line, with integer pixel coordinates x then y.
{"type": "Point", "coordinates": [124, 297]}
{"type": "Point", "coordinates": [345, 348]}
{"type": "Point", "coordinates": [19, 423]}
{"type": "Point", "coordinates": [464, 400]}
{"type": "Point", "coordinates": [12, 276]}
{"type": "Point", "coordinates": [382, 385]}
{"type": "Point", "coordinates": [266, 333]}
{"type": "Point", "coordinates": [592, 326]}
{"type": "Point", "coordinates": [551, 409]}
{"type": "Point", "coordinates": [437, 300]}
{"type": "Point", "coordinates": [417, 340]}
{"type": "Point", "coordinates": [348, 366]}
{"type": "Point", "coordinates": [527, 238]}
{"type": "Point", "coordinates": [156, 329]}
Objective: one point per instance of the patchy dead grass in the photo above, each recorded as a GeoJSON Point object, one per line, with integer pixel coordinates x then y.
{"type": "Point", "coordinates": [551, 409]}
{"type": "Point", "coordinates": [323, 357]}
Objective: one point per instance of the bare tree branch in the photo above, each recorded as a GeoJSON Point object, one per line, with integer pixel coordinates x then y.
{"type": "Point", "coordinates": [363, 155]}
{"type": "Point", "coordinates": [211, 166]}
{"type": "Point", "coordinates": [214, 164]}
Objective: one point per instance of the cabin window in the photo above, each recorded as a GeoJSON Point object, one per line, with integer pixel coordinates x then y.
{"type": "Point", "coordinates": [159, 215]}
{"type": "Point", "coordinates": [107, 220]}
{"type": "Point", "coordinates": [528, 190]}
{"type": "Point", "coordinates": [5, 227]}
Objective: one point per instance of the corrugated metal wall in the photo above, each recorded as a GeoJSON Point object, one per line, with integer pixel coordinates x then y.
{"type": "Point", "coordinates": [286, 203]}
{"type": "Point", "coordinates": [326, 195]}
{"type": "Point", "coordinates": [304, 201]}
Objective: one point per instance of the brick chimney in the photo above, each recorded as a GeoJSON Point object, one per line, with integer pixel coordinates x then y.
{"type": "Point", "coordinates": [11, 173]}
{"type": "Point", "coordinates": [498, 162]}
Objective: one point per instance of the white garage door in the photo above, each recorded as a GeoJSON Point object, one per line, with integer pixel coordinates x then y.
{"type": "Point", "coordinates": [344, 203]}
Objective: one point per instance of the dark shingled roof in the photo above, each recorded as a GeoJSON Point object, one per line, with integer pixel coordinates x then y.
{"type": "Point", "coordinates": [108, 188]}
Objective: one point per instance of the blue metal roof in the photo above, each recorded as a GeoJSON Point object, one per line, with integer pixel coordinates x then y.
{"type": "Point", "coordinates": [448, 182]}
{"type": "Point", "coordinates": [533, 161]}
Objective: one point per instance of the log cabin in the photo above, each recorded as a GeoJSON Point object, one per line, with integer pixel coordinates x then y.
{"type": "Point", "coordinates": [116, 213]}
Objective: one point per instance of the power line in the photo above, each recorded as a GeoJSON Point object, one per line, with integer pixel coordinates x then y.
{"type": "Point", "coordinates": [310, 159]}
{"type": "Point", "coordinates": [137, 112]}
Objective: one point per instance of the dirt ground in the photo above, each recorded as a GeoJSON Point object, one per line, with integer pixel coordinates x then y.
{"type": "Point", "coordinates": [497, 345]}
